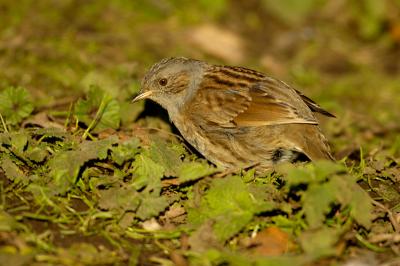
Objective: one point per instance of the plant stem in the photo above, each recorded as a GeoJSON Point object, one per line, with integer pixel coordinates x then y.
{"type": "Point", "coordinates": [4, 124]}
{"type": "Point", "coordinates": [97, 117]}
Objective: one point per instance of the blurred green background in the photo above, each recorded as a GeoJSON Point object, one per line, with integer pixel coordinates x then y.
{"type": "Point", "coordinates": [343, 53]}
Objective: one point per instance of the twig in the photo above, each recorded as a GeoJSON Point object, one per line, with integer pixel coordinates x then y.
{"type": "Point", "coordinates": [393, 221]}
{"type": "Point", "coordinates": [392, 238]}
{"type": "Point", "coordinates": [4, 124]}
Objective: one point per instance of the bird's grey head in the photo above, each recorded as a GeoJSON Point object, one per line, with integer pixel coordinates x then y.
{"type": "Point", "coordinates": [171, 82]}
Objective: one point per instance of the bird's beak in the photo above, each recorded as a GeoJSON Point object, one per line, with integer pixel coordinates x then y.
{"type": "Point", "coordinates": [143, 95]}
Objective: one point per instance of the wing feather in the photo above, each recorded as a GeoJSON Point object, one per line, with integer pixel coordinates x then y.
{"type": "Point", "coordinates": [228, 102]}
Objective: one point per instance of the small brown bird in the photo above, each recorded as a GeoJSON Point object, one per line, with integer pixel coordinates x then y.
{"type": "Point", "coordinates": [234, 116]}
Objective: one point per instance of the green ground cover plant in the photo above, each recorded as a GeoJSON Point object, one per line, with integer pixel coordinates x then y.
{"type": "Point", "coordinates": [89, 178]}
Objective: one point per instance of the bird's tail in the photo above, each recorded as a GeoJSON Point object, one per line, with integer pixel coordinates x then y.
{"type": "Point", "coordinates": [312, 142]}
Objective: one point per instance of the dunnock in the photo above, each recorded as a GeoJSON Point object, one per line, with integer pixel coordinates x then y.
{"type": "Point", "coordinates": [236, 117]}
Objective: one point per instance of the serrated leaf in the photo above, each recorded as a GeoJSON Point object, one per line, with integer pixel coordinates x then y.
{"type": "Point", "coordinates": [264, 197]}
{"type": "Point", "coordinates": [125, 151]}
{"type": "Point", "coordinates": [5, 138]}
{"type": "Point", "coordinates": [15, 104]}
{"type": "Point", "coordinates": [12, 171]}
{"type": "Point", "coordinates": [313, 172]}
{"type": "Point", "coordinates": [19, 141]}
{"type": "Point", "coordinates": [147, 173]}
{"type": "Point", "coordinates": [36, 154]}
{"type": "Point", "coordinates": [316, 203]}
{"type": "Point", "coordinates": [165, 155]}
{"type": "Point", "coordinates": [361, 207]}
{"type": "Point", "coordinates": [97, 149]}
{"type": "Point", "coordinates": [190, 171]}
{"type": "Point", "coordinates": [348, 192]}
{"type": "Point", "coordinates": [328, 183]}
{"type": "Point", "coordinates": [229, 204]}
{"type": "Point", "coordinates": [65, 165]}
{"type": "Point", "coordinates": [119, 198]}
{"type": "Point", "coordinates": [295, 176]}
{"type": "Point", "coordinates": [324, 169]}
{"type": "Point", "coordinates": [98, 105]}
{"type": "Point", "coordinates": [151, 205]}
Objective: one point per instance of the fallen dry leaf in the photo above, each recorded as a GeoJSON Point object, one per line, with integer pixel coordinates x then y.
{"type": "Point", "coordinates": [43, 120]}
{"type": "Point", "coordinates": [218, 42]}
{"type": "Point", "coordinates": [395, 31]}
{"type": "Point", "coordinates": [271, 241]}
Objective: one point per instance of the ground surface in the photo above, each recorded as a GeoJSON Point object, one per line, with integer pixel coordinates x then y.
{"type": "Point", "coordinates": [87, 178]}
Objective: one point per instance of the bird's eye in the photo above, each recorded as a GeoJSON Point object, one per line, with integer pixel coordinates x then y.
{"type": "Point", "coordinates": [163, 81]}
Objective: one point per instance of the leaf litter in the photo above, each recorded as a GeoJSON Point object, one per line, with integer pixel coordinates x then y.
{"type": "Point", "coordinates": [93, 182]}
{"type": "Point", "coordinates": [115, 188]}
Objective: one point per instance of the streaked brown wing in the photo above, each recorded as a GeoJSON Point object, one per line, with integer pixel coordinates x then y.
{"type": "Point", "coordinates": [219, 106]}
{"type": "Point", "coordinates": [231, 101]}
{"type": "Point", "coordinates": [266, 109]}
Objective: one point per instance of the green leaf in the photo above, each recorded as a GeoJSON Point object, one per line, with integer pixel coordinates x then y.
{"type": "Point", "coordinates": [19, 141]}
{"type": "Point", "coordinates": [316, 203]}
{"type": "Point", "coordinates": [310, 173]}
{"type": "Point", "coordinates": [125, 151]}
{"type": "Point", "coordinates": [324, 169]}
{"type": "Point", "coordinates": [228, 203]}
{"type": "Point", "coordinates": [147, 173]}
{"type": "Point", "coordinates": [320, 243]}
{"type": "Point", "coordinates": [151, 205]}
{"type": "Point", "coordinates": [99, 109]}
{"type": "Point", "coordinates": [296, 176]}
{"type": "Point", "coordinates": [348, 192]}
{"type": "Point", "coordinates": [97, 149]}
{"type": "Point", "coordinates": [119, 198]}
{"type": "Point", "coordinates": [329, 184]}
{"type": "Point", "coordinates": [65, 165]}
{"type": "Point", "coordinates": [15, 104]}
{"type": "Point", "coordinates": [12, 171]}
{"type": "Point", "coordinates": [190, 171]}
{"type": "Point", "coordinates": [165, 155]}
{"type": "Point", "coordinates": [36, 154]}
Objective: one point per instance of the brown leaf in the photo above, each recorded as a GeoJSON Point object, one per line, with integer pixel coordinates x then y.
{"type": "Point", "coordinates": [395, 31]}
{"type": "Point", "coordinates": [204, 238]}
{"type": "Point", "coordinates": [271, 241]}
{"type": "Point", "coordinates": [218, 42]}
{"type": "Point", "coordinates": [42, 120]}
